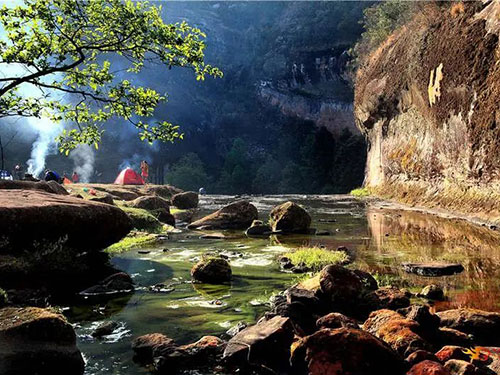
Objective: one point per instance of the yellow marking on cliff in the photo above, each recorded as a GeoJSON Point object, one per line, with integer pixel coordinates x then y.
{"type": "Point", "coordinates": [434, 88]}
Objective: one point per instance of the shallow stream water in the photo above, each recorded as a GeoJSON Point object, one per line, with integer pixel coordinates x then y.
{"type": "Point", "coordinates": [382, 239]}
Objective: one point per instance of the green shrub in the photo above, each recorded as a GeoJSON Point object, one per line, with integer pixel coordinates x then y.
{"type": "Point", "coordinates": [316, 258]}
{"type": "Point", "coordinates": [360, 192]}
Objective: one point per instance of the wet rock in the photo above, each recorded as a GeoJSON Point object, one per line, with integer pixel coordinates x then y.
{"type": "Point", "coordinates": [432, 292]}
{"type": "Point", "coordinates": [300, 268]}
{"type": "Point", "coordinates": [302, 315]}
{"type": "Point", "coordinates": [289, 217]}
{"type": "Point", "coordinates": [150, 202]}
{"type": "Point", "coordinates": [419, 356]}
{"type": "Point", "coordinates": [400, 333]}
{"type": "Point", "coordinates": [37, 341]}
{"type": "Point", "coordinates": [428, 368]}
{"type": "Point", "coordinates": [450, 336]}
{"type": "Point", "coordinates": [344, 351]}
{"type": "Point", "coordinates": [286, 263]}
{"type": "Point", "coordinates": [483, 325]}
{"type": "Point", "coordinates": [336, 320]}
{"type": "Point", "coordinates": [107, 198]}
{"type": "Point", "coordinates": [185, 200]}
{"type": "Point", "coordinates": [267, 343]}
{"type": "Point", "coordinates": [458, 367]}
{"type": "Point", "coordinates": [169, 359]}
{"type": "Point", "coordinates": [117, 283]}
{"type": "Point", "coordinates": [164, 217]}
{"type": "Point", "coordinates": [161, 288]}
{"type": "Point", "coordinates": [258, 228]}
{"type": "Point", "coordinates": [422, 315]}
{"type": "Point", "coordinates": [237, 215]}
{"type": "Point", "coordinates": [387, 298]}
{"type": "Point", "coordinates": [339, 284]}
{"type": "Point", "coordinates": [452, 352]}
{"type": "Point", "coordinates": [367, 279]}
{"type": "Point", "coordinates": [322, 233]}
{"type": "Point", "coordinates": [148, 346]}
{"type": "Point", "coordinates": [212, 270]}
{"type": "Point", "coordinates": [233, 331]}
{"type": "Point", "coordinates": [185, 216]}
{"type": "Point", "coordinates": [213, 236]}
{"type": "Point", "coordinates": [433, 269]}
{"type": "Point", "coordinates": [105, 328]}
{"type": "Point", "coordinates": [87, 226]}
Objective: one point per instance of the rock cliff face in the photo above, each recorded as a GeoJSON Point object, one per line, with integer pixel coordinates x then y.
{"type": "Point", "coordinates": [427, 101]}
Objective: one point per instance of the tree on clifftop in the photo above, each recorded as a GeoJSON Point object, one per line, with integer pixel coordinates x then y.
{"type": "Point", "coordinates": [50, 48]}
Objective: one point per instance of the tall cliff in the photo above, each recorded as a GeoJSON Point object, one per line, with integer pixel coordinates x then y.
{"type": "Point", "coordinates": [428, 102]}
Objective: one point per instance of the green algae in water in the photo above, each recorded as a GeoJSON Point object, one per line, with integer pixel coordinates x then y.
{"type": "Point", "coordinates": [380, 239]}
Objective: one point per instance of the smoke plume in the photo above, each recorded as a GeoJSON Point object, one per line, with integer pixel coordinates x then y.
{"type": "Point", "coordinates": [83, 162]}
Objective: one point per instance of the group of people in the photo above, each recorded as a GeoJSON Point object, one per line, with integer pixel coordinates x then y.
{"type": "Point", "coordinates": [54, 176]}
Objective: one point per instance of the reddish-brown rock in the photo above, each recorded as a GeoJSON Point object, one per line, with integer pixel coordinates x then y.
{"type": "Point", "coordinates": [452, 352]}
{"type": "Point", "coordinates": [148, 346]}
{"type": "Point", "coordinates": [336, 320]}
{"type": "Point", "coordinates": [289, 217]}
{"type": "Point", "coordinates": [483, 325]}
{"type": "Point", "coordinates": [268, 343]}
{"type": "Point", "coordinates": [419, 356]}
{"type": "Point", "coordinates": [29, 216]}
{"type": "Point", "coordinates": [344, 351]}
{"type": "Point", "coordinates": [428, 368]}
{"type": "Point", "coordinates": [37, 341]}
{"type": "Point", "coordinates": [237, 215]}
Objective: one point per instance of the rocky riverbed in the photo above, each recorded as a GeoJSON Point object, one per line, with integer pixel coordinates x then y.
{"type": "Point", "coordinates": [166, 303]}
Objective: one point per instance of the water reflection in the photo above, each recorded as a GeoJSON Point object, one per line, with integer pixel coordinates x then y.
{"type": "Point", "coordinates": [399, 236]}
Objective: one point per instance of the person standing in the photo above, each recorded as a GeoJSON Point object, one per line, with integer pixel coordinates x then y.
{"type": "Point", "coordinates": [75, 178]}
{"type": "Point", "coordinates": [145, 171]}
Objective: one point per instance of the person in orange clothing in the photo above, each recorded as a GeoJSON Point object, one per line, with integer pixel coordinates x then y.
{"type": "Point", "coordinates": [145, 171]}
{"type": "Point", "coordinates": [75, 178]}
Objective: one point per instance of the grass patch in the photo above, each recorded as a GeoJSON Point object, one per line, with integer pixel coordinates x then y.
{"type": "Point", "coordinates": [390, 280]}
{"type": "Point", "coordinates": [360, 192]}
{"type": "Point", "coordinates": [137, 240]}
{"type": "Point", "coordinates": [316, 258]}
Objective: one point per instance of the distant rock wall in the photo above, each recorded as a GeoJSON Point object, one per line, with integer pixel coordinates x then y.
{"type": "Point", "coordinates": [334, 116]}
{"type": "Point", "coordinates": [427, 102]}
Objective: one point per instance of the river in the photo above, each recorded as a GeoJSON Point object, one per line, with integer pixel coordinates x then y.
{"type": "Point", "coordinates": [382, 238]}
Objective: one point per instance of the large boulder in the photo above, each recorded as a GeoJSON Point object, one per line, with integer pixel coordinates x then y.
{"type": "Point", "coordinates": [237, 215]}
{"type": "Point", "coordinates": [185, 200]}
{"type": "Point", "coordinates": [340, 284]}
{"type": "Point", "coordinates": [483, 325]}
{"type": "Point", "coordinates": [344, 351]}
{"type": "Point", "coordinates": [393, 328]}
{"type": "Point", "coordinates": [37, 341]}
{"type": "Point", "coordinates": [150, 203]}
{"type": "Point", "coordinates": [289, 217]}
{"type": "Point", "coordinates": [28, 217]}
{"type": "Point", "coordinates": [49, 187]}
{"type": "Point", "coordinates": [148, 346]}
{"type": "Point", "coordinates": [267, 343]}
{"type": "Point", "coordinates": [212, 270]}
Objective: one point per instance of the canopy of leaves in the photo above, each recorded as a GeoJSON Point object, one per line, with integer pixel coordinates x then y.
{"type": "Point", "coordinates": [66, 46]}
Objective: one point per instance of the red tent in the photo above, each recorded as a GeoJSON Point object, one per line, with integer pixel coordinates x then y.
{"type": "Point", "coordinates": [129, 177]}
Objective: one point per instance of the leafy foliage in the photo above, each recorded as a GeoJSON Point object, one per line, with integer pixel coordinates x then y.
{"type": "Point", "coordinates": [380, 21]}
{"type": "Point", "coordinates": [64, 47]}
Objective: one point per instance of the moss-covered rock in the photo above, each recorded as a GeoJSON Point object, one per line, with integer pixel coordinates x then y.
{"type": "Point", "coordinates": [212, 270]}
{"type": "Point", "coordinates": [289, 217]}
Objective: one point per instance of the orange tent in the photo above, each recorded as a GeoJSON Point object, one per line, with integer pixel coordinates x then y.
{"type": "Point", "coordinates": [129, 177]}
{"type": "Point", "coordinates": [67, 181]}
